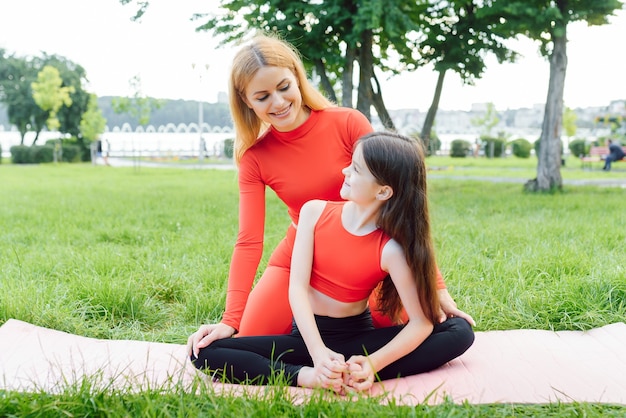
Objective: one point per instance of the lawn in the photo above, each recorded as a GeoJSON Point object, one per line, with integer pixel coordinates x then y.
{"type": "Point", "coordinates": [143, 253]}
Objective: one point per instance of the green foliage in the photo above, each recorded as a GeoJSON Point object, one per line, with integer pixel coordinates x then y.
{"type": "Point", "coordinates": [460, 148]}
{"type": "Point", "coordinates": [20, 154]}
{"type": "Point", "coordinates": [229, 147]}
{"type": "Point", "coordinates": [434, 145]}
{"type": "Point", "coordinates": [68, 150]}
{"type": "Point", "coordinates": [521, 148]}
{"type": "Point", "coordinates": [487, 121]}
{"type": "Point", "coordinates": [37, 154]}
{"type": "Point", "coordinates": [92, 123]}
{"type": "Point", "coordinates": [579, 147]}
{"type": "Point", "coordinates": [494, 147]}
{"type": "Point", "coordinates": [569, 122]}
{"type": "Point", "coordinates": [17, 75]}
{"type": "Point", "coordinates": [50, 95]}
{"type": "Point", "coordinates": [138, 106]}
{"type": "Point", "coordinates": [41, 154]}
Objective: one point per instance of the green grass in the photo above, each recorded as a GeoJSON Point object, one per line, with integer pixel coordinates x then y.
{"type": "Point", "coordinates": [128, 253]}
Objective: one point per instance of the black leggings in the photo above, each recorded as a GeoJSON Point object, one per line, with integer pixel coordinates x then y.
{"type": "Point", "coordinates": [258, 359]}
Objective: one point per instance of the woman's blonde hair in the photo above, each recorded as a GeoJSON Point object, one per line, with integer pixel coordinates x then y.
{"type": "Point", "coordinates": [263, 51]}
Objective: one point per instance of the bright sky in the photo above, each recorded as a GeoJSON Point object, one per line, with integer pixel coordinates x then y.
{"type": "Point", "coordinates": [99, 35]}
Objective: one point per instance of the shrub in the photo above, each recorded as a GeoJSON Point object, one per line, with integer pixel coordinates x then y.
{"type": "Point", "coordinates": [495, 145]}
{"type": "Point", "coordinates": [521, 148]}
{"type": "Point", "coordinates": [538, 142]}
{"type": "Point", "coordinates": [460, 148]}
{"type": "Point", "coordinates": [433, 145]}
{"type": "Point", "coordinates": [20, 154]}
{"type": "Point", "coordinates": [228, 147]}
{"type": "Point", "coordinates": [71, 154]}
{"type": "Point", "coordinates": [42, 153]}
{"type": "Point", "coordinates": [578, 147]}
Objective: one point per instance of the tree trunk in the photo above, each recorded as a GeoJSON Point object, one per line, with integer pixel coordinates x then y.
{"type": "Point", "coordinates": [432, 110]}
{"type": "Point", "coordinates": [364, 99]}
{"type": "Point", "coordinates": [325, 83]}
{"type": "Point", "coordinates": [550, 147]}
{"type": "Point", "coordinates": [379, 104]}
{"type": "Point", "coordinates": [346, 79]}
{"type": "Point", "coordinates": [36, 138]}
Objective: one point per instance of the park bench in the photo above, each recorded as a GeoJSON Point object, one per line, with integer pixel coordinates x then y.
{"type": "Point", "coordinates": [596, 154]}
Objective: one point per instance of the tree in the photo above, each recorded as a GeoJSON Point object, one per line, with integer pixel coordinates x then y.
{"type": "Point", "coordinates": [138, 106]}
{"type": "Point", "coordinates": [457, 36]}
{"type": "Point", "coordinates": [50, 94]}
{"type": "Point", "coordinates": [92, 123]}
{"type": "Point", "coordinates": [569, 124]}
{"type": "Point", "coordinates": [546, 22]}
{"type": "Point", "coordinates": [73, 75]}
{"type": "Point", "coordinates": [16, 76]}
{"type": "Point", "coordinates": [487, 121]}
{"type": "Point", "coordinates": [332, 36]}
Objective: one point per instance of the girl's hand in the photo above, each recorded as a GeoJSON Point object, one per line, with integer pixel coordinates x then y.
{"type": "Point", "coordinates": [327, 371]}
{"type": "Point", "coordinates": [360, 376]}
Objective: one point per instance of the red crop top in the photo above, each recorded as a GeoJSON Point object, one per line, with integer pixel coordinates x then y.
{"type": "Point", "coordinates": [346, 267]}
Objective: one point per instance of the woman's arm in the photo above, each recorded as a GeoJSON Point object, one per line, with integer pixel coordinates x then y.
{"type": "Point", "coordinates": [248, 248]}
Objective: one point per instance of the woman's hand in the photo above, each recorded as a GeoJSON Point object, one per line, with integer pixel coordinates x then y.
{"type": "Point", "coordinates": [360, 375]}
{"type": "Point", "coordinates": [205, 335]}
{"type": "Point", "coordinates": [449, 308]}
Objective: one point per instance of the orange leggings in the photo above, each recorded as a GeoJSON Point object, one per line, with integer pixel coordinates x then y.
{"type": "Point", "coordinates": [268, 312]}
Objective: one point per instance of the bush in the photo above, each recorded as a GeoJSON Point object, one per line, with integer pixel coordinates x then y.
{"type": "Point", "coordinates": [20, 154]}
{"type": "Point", "coordinates": [460, 148]}
{"type": "Point", "coordinates": [42, 153]}
{"type": "Point", "coordinates": [521, 148]}
{"type": "Point", "coordinates": [71, 154]}
{"type": "Point", "coordinates": [229, 147]}
{"type": "Point", "coordinates": [495, 144]}
{"type": "Point", "coordinates": [538, 142]}
{"type": "Point", "coordinates": [578, 147]}
{"type": "Point", "coordinates": [433, 146]}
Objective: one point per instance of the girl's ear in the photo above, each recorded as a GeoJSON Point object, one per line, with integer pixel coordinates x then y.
{"type": "Point", "coordinates": [384, 193]}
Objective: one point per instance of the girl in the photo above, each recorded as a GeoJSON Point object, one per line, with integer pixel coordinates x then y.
{"type": "Point", "coordinates": [342, 252]}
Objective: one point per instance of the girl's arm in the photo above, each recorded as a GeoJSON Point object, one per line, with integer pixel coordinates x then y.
{"type": "Point", "coordinates": [418, 328]}
{"type": "Point", "coordinates": [328, 365]}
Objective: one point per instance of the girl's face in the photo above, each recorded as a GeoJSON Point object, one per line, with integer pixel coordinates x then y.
{"type": "Point", "coordinates": [359, 184]}
{"type": "Point", "coordinates": [274, 96]}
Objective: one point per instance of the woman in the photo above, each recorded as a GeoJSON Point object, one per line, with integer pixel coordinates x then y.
{"type": "Point", "coordinates": [290, 138]}
{"type": "Point", "coordinates": [342, 252]}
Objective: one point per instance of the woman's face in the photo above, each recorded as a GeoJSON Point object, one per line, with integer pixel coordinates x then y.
{"type": "Point", "coordinates": [274, 96]}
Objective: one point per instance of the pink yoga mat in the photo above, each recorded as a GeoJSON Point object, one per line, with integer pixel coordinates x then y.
{"type": "Point", "coordinates": [514, 366]}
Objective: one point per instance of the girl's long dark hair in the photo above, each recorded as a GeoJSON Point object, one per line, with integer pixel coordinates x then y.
{"type": "Point", "coordinates": [398, 161]}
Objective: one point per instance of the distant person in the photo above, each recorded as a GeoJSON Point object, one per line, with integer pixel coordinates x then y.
{"type": "Point", "coordinates": [616, 153]}
{"type": "Point", "coordinates": [100, 154]}
{"type": "Point", "coordinates": [343, 250]}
